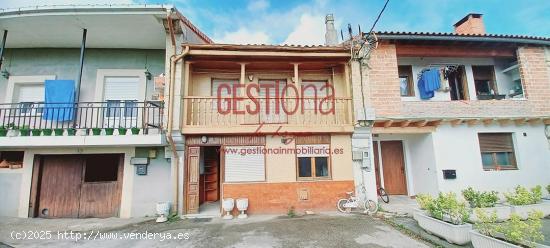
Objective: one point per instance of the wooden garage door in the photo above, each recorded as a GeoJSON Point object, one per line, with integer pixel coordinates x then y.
{"type": "Point", "coordinates": [80, 186]}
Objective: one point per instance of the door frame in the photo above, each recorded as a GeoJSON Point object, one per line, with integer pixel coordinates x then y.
{"type": "Point", "coordinates": [186, 174]}
{"type": "Point", "coordinates": [381, 164]}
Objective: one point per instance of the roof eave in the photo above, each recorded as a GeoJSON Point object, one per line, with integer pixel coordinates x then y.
{"type": "Point", "coordinates": [463, 38]}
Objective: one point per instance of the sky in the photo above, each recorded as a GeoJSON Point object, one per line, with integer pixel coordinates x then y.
{"type": "Point", "coordinates": [302, 22]}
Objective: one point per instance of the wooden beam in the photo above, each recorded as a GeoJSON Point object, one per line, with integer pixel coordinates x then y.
{"type": "Point", "coordinates": [487, 122]}
{"type": "Point", "coordinates": [534, 121]}
{"type": "Point", "coordinates": [436, 123]}
{"type": "Point", "coordinates": [405, 123]}
{"type": "Point", "coordinates": [456, 122]}
{"type": "Point", "coordinates": [422, 123]}
{"type": "Point", "coordinates": [520, 121]}
{"type": "Point", "coordinates": [546, 121]}
{"type": "Point", "coordinates": [472, 122]}
{"type": "Point", "coordinates": [388, 123]}
{"type": "Point", "coordinates": [270, 53]}
{"type": "Point", "coordinates": [425, 129]}
{"type": "Point", "coordinates": [403, 50]}
{"type": "Point", "coordinates": [504, 122]}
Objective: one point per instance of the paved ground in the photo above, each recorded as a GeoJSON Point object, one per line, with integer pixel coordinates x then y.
{"type": "Point", "coordinates": [267, 231]}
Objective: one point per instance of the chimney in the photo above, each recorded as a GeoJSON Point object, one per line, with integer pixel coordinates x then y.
{"type": "Point", "coordinates": [331, 37]}
{"type": "Point", "coordinates": [470, 24]}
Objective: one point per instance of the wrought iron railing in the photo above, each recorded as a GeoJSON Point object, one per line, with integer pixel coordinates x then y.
{"type": "Point", "coordinates": [83, 115]}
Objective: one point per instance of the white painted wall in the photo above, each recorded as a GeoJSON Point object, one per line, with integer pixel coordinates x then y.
{"type": "Point", "coordinates": [458, 148]}
{"type": "Point", "coordinates": [504, 81]}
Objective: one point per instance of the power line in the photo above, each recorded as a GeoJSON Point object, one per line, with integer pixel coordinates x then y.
{"type": "Point", "coordinates": [379, 15]}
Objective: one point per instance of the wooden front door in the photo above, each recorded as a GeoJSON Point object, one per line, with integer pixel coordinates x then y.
{"type": "Point", "coordinates": [192, 185]}
{"type": "Point", "coordinates": [60, 186]}
{"type": "Point", "coordinates": [393, 164]}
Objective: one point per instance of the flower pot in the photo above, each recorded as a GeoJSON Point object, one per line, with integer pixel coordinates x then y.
{"type": "Point", "coordinates": [420, 211]}
{"type": "Point", "coordinates": [71, 131]}
{"type": "Point", "coordinates": [109, 131]}
{"type": "Point", "coordinates": [503, 213]}
{"type": "Point", "coordinates": [58, 131]}
{"type": "Point", "coordinates": [3, 132]}
{"type": "Point", "coordinates": [96, 131]}
{"type": "Point", "coordinates": [36, 132]}
{"type": "Point", "coordinates": [135, 131]}
{"type": "Point", "coordinates": [523, 210]}
{"type": "Point", "coordinates": [122, 131]}
{"type": "Point", "coordinates": [25, 132]}
{"type": "Point", "coordinates": [454, 234]}
{"type": "Point", "coordinates": [483, 241]}
{"type": "Point", "coordinates": [47, 132]}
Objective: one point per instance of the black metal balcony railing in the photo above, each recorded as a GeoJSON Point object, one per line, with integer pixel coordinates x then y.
{"type": "Point", "coordinates": [83, 115]}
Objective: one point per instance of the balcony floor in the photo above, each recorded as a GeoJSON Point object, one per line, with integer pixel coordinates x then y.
{"type": "Point", "coordinates": [83, 141]}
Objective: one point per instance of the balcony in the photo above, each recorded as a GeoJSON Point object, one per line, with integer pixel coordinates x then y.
{"type": "Point", "coordinates": [22, 123]}
{"type": "Point", "coordinates": [205, 114]}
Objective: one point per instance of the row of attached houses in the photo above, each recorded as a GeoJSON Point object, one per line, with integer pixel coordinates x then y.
{"type": "Point", "coordinates": [108, 110]}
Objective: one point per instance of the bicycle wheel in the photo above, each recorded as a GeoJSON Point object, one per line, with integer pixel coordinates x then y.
{"type": "Point", "coordinates": [370, 206]}
{"type": "Point", "coordinates": [382, 193]}
{"type": "Point", "coordinates": [340, 205]}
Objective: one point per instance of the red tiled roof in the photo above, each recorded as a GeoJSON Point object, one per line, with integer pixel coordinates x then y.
{"type": "Point", "coordinates": [443, 34]}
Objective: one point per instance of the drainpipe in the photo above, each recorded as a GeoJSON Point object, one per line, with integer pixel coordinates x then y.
{"type": "Point", "coordinates": [173, 61]}
{"type": "Point", "coordinates": [4, 37]}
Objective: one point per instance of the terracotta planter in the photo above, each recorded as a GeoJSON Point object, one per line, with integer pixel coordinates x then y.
{"type": "Point", "coordinates": [503, 213]}
{"type": "Point", "coordinates": [483, 241]}
{"type": "Point", "coordinates": [523, 210]}
{"type": "Point", "coordinates": [454, 234]}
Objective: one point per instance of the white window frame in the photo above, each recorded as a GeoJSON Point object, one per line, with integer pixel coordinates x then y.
{"type": "Point", "coordinates": [18, 81]}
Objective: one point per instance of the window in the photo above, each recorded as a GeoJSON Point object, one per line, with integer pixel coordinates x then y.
{"type": "Point", "coordinates": [225, 92]}
{"type": "Point", "coordinates": [497, 151]}
{"type": "Point", "coordinates": [10, 158]}
{"type": "Point", "coordinates": [102, 168]}
{"type": "Point", "coordinates": [456, 78]}
{"type": "Point", "coordinates": [313, 161]}
{"type": "Point", "coordinates": [30, 98]}
{"type": "Point", "coordinates": [484, 79]}
{"type": "Point", "coordinates": [405, 80]}
{"type": "Point", "coordinates": [313, 95]}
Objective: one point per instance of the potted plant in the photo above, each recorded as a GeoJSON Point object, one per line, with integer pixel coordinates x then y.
{"type": "Point", "coordinates": [25, 131]}
{"type": "Point", "coordinates": [109, 131]}
{"type": "Point", "coordinates": [512, 233]}
{"type": "Point", "coordinates": [446, 218]}
{"type": "Point", "coordinates": [423, 200]}
{"type": "Point", "coordinates": [122, 131]}
{"type": "Point", "coordinates": [71, 131]}
{"type": "Point", "coordinates": [3, 131]}
{"type": "Point", "coordinates": [486, 201]}
{"type": "Point", "coordinates": [96, 131]}
{"type": "Point", "coordinates": [36, 132]}
{"type": "Point", "coordinates": [524, 201]}
{"type": "Point", "coordinates": [58, 131]}
{"type": "Point", "coordinates": [135, 130]}
{"type": "Point", "coordinates": [47, 132]}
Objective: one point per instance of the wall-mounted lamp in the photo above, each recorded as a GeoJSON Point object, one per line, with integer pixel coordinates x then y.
{"type": "Point", "coordinates": [5, 74]}
{"type": "Point", "coordinates": [204, 139]}
{"type": "Point", "coordinates": [365, 123]}
{"type": "Point", "coordinates": [250, 77]}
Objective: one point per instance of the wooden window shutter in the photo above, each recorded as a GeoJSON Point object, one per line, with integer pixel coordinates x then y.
{"type": "Point", "coordinates": [496, 142]}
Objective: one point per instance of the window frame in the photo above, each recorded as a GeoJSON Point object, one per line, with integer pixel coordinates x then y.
{"type": "Point", "coordinates": [496, 166]}
{"type": "Point", "coordinates": [313, 167]}
{"type": "Point", "coordinates": [409, 76]}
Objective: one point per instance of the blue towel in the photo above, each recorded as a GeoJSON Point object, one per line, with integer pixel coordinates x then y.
{"type": "Point", "coordinates": [429, 82]}
{"type": "Point", "coordinates": [59, 100]}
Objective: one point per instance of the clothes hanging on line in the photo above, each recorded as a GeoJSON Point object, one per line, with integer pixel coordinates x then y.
{"type": "Point", "coordinates": [428, 82]}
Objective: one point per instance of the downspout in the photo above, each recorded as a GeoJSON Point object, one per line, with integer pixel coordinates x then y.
{"type": "Point", "coordinates": [173, 61]}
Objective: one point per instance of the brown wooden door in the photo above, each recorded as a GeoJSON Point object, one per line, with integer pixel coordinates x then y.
{"type": "Point", "coordinates": [60, 186]}
{"type": "Point", "coordinates": [192, 187]}
{"type": "Point", "coordinates": [211, 172]}
{"type": "Point", "coordinates": [393, 165]}
{"type": "Point", "coordinates": [102, 199]}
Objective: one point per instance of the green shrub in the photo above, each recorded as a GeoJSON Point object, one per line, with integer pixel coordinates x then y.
{"type": "Point", "coordinates": [515, 230]}
{"type": "Point", "coordinates": [521, 196]}
{"type": "Point", "coordinates": [447, 207]}
{"type": "Point", "coordinates": [424, 200]}
{"type": "Point", "coordinates": [478, 199]}
{"type": "Point", "coordinates": [548, 188]}
{"type": "Point", "coordinates": [291, 213]}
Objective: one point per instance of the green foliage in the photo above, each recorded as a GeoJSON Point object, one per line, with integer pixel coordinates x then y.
{"type": "Point", "coordinates": [515, 230]}
{"type": "Point", "coordinates": [548, 188]}
{"type": "Point", "coordinates": [478, 199]}
{"type": "Point", "coordinates": [447, 207]}
{"type": "Point", "coordinates": [47, 132]}
{"type": "Point", "coordinates": [291, 213]}
{"type": "Point", "coordinates": [424, 200]}
{"type": "Point", "coordinates": [135, 130]}
{"type": "Point", "coordinates": [521, 196]}
{"type": "Point", "coordinates": [122, 131]}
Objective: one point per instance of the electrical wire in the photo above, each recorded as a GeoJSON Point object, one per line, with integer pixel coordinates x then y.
{"type": "Point", "coordinates": [375, 22]}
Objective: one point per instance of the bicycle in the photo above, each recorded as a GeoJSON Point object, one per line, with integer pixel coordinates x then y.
{"type": "Point", "coordinates": [383, 195]}
{"type": "Point", "coordinates": [346, 205]}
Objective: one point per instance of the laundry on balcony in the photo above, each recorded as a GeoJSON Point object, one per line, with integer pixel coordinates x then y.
{"type": "Point", "coordinates": [428, 82]}
{"type": "Point", "coordinates": [59, 100]}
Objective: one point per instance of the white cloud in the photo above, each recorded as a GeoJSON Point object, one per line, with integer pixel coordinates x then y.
{"type": "Point", "coordinates": [8, 4]}
{"type": "Point", "coordinates": [244, 36]}
{"type": "Point", "coordinates": [310, 31]}
{"type": "Point", "coordinates": [256, 5]}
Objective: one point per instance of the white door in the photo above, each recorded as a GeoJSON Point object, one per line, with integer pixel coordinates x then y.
{"type": "Point", "coordinates": [121, 95]}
